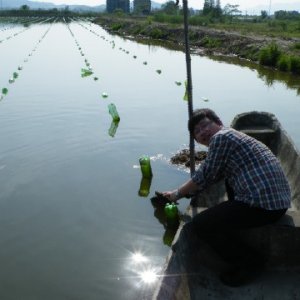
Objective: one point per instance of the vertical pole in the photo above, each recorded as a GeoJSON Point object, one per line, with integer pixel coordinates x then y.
{"type": "Point", "coordinates": [189, 81]}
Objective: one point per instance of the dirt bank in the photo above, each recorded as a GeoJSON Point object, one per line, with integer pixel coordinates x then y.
{"type": "Point", "coordinates": [203, 40]}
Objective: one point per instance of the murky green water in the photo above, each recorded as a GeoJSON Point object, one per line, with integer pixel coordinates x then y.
{"type": "Point", "coordinates": [70, 214]}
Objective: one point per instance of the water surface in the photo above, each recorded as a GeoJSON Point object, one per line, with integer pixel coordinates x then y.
{"type": "Point", "coordinates": [70, 214]}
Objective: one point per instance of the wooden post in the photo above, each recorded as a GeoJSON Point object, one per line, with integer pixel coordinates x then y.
{"type": "Point", "coordinates": [189, 81]}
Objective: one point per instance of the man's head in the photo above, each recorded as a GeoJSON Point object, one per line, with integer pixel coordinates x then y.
{"type": "Point", "coordinates": [203, 124]}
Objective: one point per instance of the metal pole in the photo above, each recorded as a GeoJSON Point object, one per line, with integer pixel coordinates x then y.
{"type": "Point", "coordinates": [189, 81]}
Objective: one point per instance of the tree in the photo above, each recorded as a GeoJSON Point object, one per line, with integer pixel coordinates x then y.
{"type": "Point", "coordinates": [218, 9]}
{"type": "Point", "coordinates": [231, 10]}
{"type": "Point", "coordinates": [206, 7]}
{"type": "Point", "coordinates": [263, 14]}
{"type": "Point", "coordinates": [25, 7]}
{"type": "Point", "coordinates": [170, 8]}
{"type": "Point", "coordinates": [212, 7]}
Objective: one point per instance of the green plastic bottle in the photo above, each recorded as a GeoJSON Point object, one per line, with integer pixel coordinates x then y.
{"type": "Point", "coordinates": [113, 111]}
{"type": "Point", "coordinates": [146, 166]}
{"type": "Point", "coordinates": [171, 211]}
{"type": "Point", "coordinates": [172, 216]}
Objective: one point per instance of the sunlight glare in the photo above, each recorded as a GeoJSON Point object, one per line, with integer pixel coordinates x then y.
{"type": "Point", "coordinates": [148, 276]}
{"type": "Point", "coordinates": [138, 257]}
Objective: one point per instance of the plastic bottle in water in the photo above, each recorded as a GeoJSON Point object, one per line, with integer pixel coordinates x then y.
{"type": "Point", "coordinates": [113, 111]}
{"type": "Point", "coordinates": [146, 166]}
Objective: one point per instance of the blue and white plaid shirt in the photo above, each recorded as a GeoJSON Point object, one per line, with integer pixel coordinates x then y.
{"type": "Point", "coordinates": [252, 170]}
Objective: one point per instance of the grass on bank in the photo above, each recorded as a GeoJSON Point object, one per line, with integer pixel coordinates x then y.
{"type": "Point", "coordinates": [254, 25]}
{"type": "Point", "coordinates": [272, 56]}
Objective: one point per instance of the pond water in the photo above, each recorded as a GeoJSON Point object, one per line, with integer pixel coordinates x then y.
{"type": "Point", "coordinates": [71, 218]}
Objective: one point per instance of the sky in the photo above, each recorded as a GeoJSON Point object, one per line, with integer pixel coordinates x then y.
{"type": "Point", "coordinates": [197, 4]}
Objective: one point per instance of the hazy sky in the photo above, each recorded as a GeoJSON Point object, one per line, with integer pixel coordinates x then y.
{"type": "Point", "coordinates": [244, 4]}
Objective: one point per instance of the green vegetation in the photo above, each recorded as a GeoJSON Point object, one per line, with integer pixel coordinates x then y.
{"type": "Point", "coordinates": [271, 41]}
{"type": "Point", "coordinates": [284, 63]}
{"type": "Point", "coordinates": [296, 46]}
{"type": "Point", "coordinates": [156, 33]}
{"type": "Point", "coordinates": [295, 64]}
{"type": "Point", "coordinates": [210, 42]}
{"type": "Point", "coordinates": [269, 56]}
{"type": "Point", "coordinates": [116, 26]}
{"type": "Point", "coordinates": [272, 56]}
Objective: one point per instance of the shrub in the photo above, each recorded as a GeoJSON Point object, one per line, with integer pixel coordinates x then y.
{"type": "Point", "coordinates": [296, 46]}
{"type": "Point", "coordinates": [269, 55]}
{"type": "Point", "coordinates": [211, 42]}
{"type": "Point", "coordinates": [156, 33]}
{"type": "Point", "coordinates": [295, 64]}
{"type": "Point", "coordinates": [137, 29]}
{"type": "Point", "coordinates": [284, 63]}
{"type": "Point", "coordinates": [149, 20]}
{"type": "Point", "coordinates": [116, 26]}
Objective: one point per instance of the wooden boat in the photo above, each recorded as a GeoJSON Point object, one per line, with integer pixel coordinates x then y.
{"type": "Point", "coordinates": [279, 242]}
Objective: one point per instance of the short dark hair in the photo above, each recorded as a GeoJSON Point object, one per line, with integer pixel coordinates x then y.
{"type": "Point", "coordinates": [200, 114]}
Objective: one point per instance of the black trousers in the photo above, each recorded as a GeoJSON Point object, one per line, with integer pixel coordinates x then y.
{"type": "Point", "coordinates": [217, 226]}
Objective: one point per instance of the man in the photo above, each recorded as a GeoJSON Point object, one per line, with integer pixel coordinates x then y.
{"type": "Point", "coordinates": [258, 190]}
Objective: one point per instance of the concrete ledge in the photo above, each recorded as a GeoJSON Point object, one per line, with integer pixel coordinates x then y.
{"type": "Point", "coordinates": [185, 278]}
{"type": "Point", "coordinates": [279, 242]}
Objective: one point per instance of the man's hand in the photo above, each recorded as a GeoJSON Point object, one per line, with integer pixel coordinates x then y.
{"type": "Point", "coordinates": [171, 195]}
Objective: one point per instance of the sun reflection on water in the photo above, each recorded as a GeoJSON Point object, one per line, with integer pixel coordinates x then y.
{"type": "Point", "coordinates": [138, 257]}
{"type": "Point", "coordinates": [141, 266]}
{"type": "Point", "coordinates": [149, 276]}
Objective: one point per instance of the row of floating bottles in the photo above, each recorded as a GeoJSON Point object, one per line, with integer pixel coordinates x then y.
{"type": "Point", "coordinates": [15, 76]}
{"type": "Point", "coordinates": [158, 71]}
{"type": "Point", "coordinates": [170, 209]}
{"type": "Point", "coordinates": [166, 212]}
{"type": "Point", "coordinates": [88, 71]}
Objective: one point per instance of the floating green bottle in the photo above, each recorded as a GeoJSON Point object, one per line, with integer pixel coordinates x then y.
{"type": "Point", "coordinates": [146, 166]}
{"type": "Point", "coordinates": [113, 112]}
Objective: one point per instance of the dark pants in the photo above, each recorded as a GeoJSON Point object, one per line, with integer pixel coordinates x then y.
{"type": "Point", "coordinates": [218, 225]}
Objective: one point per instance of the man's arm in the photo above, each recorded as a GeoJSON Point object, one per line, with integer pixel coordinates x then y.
{"type": "Point", "coordinates": [187, 188]}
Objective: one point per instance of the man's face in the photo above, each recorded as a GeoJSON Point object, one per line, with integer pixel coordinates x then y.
{"type": "Point", "coordinates": [204, 130]}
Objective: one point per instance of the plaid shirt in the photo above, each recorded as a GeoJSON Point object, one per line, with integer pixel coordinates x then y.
{"type": "Point", "coordinates": [252, 170]}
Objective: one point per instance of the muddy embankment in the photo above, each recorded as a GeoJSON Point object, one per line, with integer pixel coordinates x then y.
{"type": "Point", "coordinates": [203, 40]}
